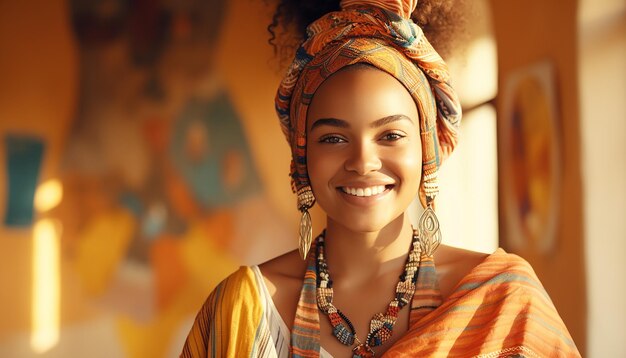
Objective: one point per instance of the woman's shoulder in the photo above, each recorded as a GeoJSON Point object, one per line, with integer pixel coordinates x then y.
{"type": "Point", "coordinates": [453, 265]}
{"type": "Point", "coordinates": [468, 258]}
{"type": "Point", "coordinates": [509, 272]}
{"type": "Point", "coordinates": [283, 267]}
{"type": "Point", "coordinates": [463, 261]}
{"type": "Point", "coordinates": [288, 265]}
{"type": "Point", "coordinates": [502, 262]}
{"type": "Point", "coordinates": [283, 271]}
{"type": "Point", "coordinates": [283, 277]}
{"type": "Point", "coordinates": [234, 309]}
{"type": "Point", "coordinates": [238, 286]}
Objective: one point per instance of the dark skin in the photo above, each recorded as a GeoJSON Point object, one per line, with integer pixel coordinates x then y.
{"type": "Point", "coordinates": [364, 164]}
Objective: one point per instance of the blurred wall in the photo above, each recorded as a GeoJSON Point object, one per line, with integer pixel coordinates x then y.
{"type": "Point", "coordinates": [38, 94]}
{"type": "Point", "coordinates": [529, 32]}
{"type": "Point", "coordinates": [120, 279]}
{"type": "Point", "coordinates": [602, 78]}
{"type": "Point", "coordinates": [474, 73]}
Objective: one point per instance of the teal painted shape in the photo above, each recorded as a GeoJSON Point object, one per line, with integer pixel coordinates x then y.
{"type": "Point", "coordinates": [24, 156]}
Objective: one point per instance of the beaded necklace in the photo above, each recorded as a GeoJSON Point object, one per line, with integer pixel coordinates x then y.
{"type": "Point", "coordinates": [381, 325]}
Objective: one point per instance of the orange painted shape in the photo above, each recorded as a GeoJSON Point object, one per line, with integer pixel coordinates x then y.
{"type": "Point", "coordinates": [169, 270]}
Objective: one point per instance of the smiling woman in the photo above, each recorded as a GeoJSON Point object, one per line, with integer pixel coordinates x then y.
{"type": "Point", "coordinates": [369, 113]}
{"type": "Point", "coordinates": [363, 135]}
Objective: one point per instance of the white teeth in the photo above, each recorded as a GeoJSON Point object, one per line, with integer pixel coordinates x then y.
{"type": "Point", "coordinates": [370, 191]}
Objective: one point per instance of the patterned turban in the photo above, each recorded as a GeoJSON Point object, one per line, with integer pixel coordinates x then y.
{"type": "Point", "coordinates": [382, 34]}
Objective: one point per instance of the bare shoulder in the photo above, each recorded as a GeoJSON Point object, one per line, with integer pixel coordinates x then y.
{"type": "Point", "coordinates": [446, 255]}
{"type": "Point", "coordinates": [453, 264]}
{"type": "Point", "coordinates": [283, 277]}
{"type": "Point", "coordinates": [287, 266]}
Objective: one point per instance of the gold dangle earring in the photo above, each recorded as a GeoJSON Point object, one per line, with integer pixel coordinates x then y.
{"type": "Point", "coordinates": [305, 202]}
{"type": "Point", "coordinates": [428, 229]}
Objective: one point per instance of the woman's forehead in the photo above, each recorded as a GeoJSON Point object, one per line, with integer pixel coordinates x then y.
{"type": "Point", "coordinates": [362, 92]}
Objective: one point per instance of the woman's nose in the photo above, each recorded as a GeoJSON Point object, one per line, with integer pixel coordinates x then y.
{"type": "Point", "coordinates": [363, 158]}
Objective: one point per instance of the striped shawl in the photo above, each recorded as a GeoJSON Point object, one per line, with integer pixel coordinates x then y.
{"type": "Point", "coordinates": [500, 309]}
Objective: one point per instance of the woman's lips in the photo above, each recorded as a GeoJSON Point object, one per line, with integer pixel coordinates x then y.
{"type": "Point", "coordinates": [364, 195]}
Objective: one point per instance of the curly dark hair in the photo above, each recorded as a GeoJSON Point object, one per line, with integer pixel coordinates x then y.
{"type": "Point", "coordinates": [443, 22]}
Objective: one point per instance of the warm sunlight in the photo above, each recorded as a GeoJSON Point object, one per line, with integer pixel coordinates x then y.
{"type": "Point", "coordinates": [477, 72]}
{"type": "Point", "coordinates": [46, 283]}
{"type": "Point", "coordinates": [48, 195]}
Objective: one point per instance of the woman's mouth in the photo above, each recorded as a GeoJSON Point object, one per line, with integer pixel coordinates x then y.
{"type": "Point", "coordinates": [366, 191]}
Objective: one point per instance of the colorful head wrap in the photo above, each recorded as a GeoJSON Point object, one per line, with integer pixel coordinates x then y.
{"type": "Point", "coordinates": [382, 34]}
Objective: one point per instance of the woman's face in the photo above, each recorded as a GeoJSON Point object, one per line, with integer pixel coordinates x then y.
{"type": "Point", "coordinates": [364, 154]}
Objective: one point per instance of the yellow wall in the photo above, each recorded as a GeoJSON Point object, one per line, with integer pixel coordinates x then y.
{"type": "Point", "coordinates": [38, 67]}
{"type": "Point", "coordinates": [602, 78]}
{"type": "Point", "coordinates": [246, 65]}
{"type": "Point", "coordinates": [252, 74]}
{"type": "Point", "coordinates": [528, 32]}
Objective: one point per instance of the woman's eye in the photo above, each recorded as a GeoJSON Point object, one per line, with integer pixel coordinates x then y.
{"type": "Point", "coordinates": [332, 139]}
{"type": "Point", "coordinates": [392, 137]}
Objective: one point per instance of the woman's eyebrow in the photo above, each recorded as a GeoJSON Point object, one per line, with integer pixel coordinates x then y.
{"type": "Point", "coordinates": [389, 119]}
{"type": "Point", "coordinates": [333, 122]}
{"type": "Point", "coordinates": [340, 123]}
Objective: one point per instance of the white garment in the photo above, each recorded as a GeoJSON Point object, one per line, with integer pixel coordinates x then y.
{"type": "Point", "coordinates": [278, 329]}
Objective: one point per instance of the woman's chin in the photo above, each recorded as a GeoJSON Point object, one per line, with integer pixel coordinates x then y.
{"type": "Point", "coordinates": [363, 223]}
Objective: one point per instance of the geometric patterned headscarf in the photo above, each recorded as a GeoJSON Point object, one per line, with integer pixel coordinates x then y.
{"type": "Point", "coordinates": [382, 34]}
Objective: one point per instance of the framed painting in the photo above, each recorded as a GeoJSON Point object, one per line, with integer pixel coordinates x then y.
{"type": "Point", "coordinates": [530, 159]}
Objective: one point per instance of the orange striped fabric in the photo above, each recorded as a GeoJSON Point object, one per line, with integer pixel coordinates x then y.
{"type": "Point", "coordinates": [499, 310]}
{"type": "Point", "coordinates": [427, 296]}
{"type": "Point", "coordinates": [305, 334]}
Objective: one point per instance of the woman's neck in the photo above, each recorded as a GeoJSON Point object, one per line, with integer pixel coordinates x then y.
{"type": "Point", "coordinates": [356, 258]}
